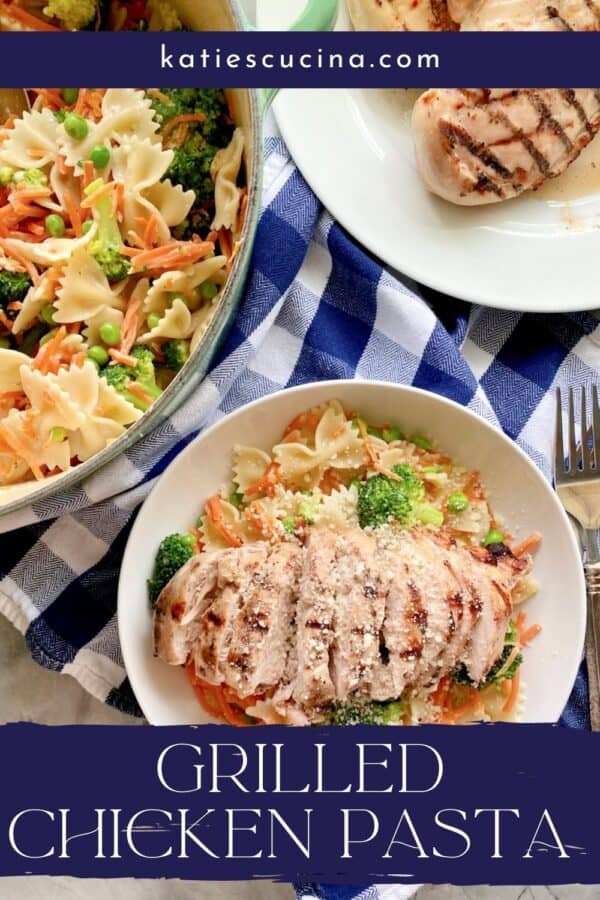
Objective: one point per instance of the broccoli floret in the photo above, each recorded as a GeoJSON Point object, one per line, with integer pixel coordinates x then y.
{"type": "Point", "coordinates": [176, 354]}
{"type": "Point", "coordinates": [107, 245]}
{"type": "Point", "coordinates": [368, 713]}
{"type": "Point", "coordinates": [13, 286]}
{"type": "Point", "coordinates": [173, 553]}
{"type": "Point", "coordinates": [495, 675]}
{"type": "Point", "coordinates": [383, 500]}
{"type": "Point", "coordinates": [121, 378]}
{"type": "Point", "coordinates": [72, 14]}
{"type": "Point", "coordinates": [193, 158]}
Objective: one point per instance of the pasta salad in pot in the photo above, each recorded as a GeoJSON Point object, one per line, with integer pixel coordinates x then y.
{"type": "Point", "coordinates": [120, 215]}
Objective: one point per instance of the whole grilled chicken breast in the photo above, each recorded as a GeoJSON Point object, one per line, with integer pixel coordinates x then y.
{"type": "Point", "coordinates": [482, 146]}
{"type": "Point", "coordinates": [526, 15]}
{"type": "Point", "coordinates": [400, 15]}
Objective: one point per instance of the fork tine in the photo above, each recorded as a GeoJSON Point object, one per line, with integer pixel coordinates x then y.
{"type": "Point", "coordinates": [596, 427]}
{"type": "Point", "coordinates": [573, 455]}
{"type": "Point", "coordinates": [559, 450]}
{"type": "Point", "coordinates": [586, 456]}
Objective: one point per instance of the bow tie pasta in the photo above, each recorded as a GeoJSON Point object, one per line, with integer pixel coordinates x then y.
{"type": "Point", "coordinates": [120, 214]}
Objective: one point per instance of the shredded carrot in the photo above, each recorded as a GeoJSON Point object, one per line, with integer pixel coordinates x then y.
{"type": "Point", "coordinates": [90, 201]}
{"type": "Point", "coordinates": [472, 487]}
{"type": "Point", "coordinates": [530, 543]}
{"type": "Point", "coordinates": [306, 420]}
{"type": "Point", "coordinates": [130, 326]}
{"type": "Point", "coordinates": [81, 101]}
{"type": "Point", "coordinates": [329, 482]}
{"type": "Point", "coordinates": [371, 452]}
{"type": "Point", "coordinates": [43, 359]}
{"type": "Point", "coordinates": [62, 164]}
{"type": "Point", "coordinates": [134, 238]}
{"type": "Point", "coordinates": [267, 482]}
{"type": "Point", "coordinates": [514, 694]}
{"type": "Point", "coordinates": [28, 265]}
{"type": "Point", "coordinates": [471, 707]}
{"type": "Point", "coordinates": [138, 391]}
{"type": "Point", "coordinates": [226, 241]}
{"type": "Point", "coordinates": [74, 213]}
{"type": "Point", "coordinates": [122, 358]}
{"type": "Point", "coordinates": [215, 515]}
{"type": "Point", "coordinates": [23, 450]}
{"type": "Point", "coordinates": [88, 172]}
{"type": "Point", "coordinates": [256, 516]}
{"type": "Point", "coordinates": [14, 304]}
{"type": "Point", "coordinates": [150, 231]}
{"type": "Point", "coordinates": [164, 98]}
{"type": "Point", "coordinates": [4, 320]}
{"type": "Point", "coordinates": [182, 120]}
{"type": "Point", "coordinates": [527, 636]}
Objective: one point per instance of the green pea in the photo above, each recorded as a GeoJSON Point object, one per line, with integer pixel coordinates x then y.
{"type": "Point", "coordinates": [76, 126]}
{"type": "Point", "coordinates": [70, 95]}
{"type": "Point", "coordinates": [110, 333]}
{"type": "Point", "coordinates": [289, 524]}
{"type": "Point", "coordinates": [4, 343]}
{"type": "Point", "coordinates": [55, 225]}
{"type": "Point", "coordinates": [7, 173]}
{"type": "Point", "coordinates": [422, 442]}
{"type": "Point", "coordinates": [58, 434]}
{"type": "Point", "coordinates": [153, 320]}
{"type": "Point", "coordinates": [47, 313]}
{"type": "Point", "coordinates": [100, 156]}
{"type": "Point", "coordinates": [457, 502]}
{"type": "Point", "coordinates": [236, 499]}
{"type": "Point", "coordinates": [209, 291]}
{"type": "Point", "coordinates": [493, 537]}
{"type": "Point", "coordinates": [95, 364]}
{"type": "Point", "coordinates": [87, 225]}
{"type": "Point", "coordinates": [392, 433]}
{"type": "Point", "coordinates": [98, 355]}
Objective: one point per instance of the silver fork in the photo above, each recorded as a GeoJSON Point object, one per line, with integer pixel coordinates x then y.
{"type": "Point", "coordinates": [577, 479]}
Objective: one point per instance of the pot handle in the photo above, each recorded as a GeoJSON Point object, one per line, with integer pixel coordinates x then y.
{"type": "Point", "coordinates": [318, 15]}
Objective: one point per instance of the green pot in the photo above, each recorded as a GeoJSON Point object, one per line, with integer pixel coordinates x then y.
{"type": "Point", "coordinates": [250, 107]}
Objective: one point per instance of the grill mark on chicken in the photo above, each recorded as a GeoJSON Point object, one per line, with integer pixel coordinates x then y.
{"type": "Point", "coordinates": [572, 100]}
{"type": "Point", "coordinates": [455, 134]}
{"type": "Point", "coordinates": [555, 16]}
{"type": "Point", "coordinates": [547, 119]}
{"type": "Point", "coordinates": [519, 135]}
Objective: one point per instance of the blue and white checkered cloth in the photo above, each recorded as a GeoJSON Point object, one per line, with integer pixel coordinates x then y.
{"type": "Point", "coordinates": [317, 307]}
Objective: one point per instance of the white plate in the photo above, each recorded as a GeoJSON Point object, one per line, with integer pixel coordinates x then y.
{"type": "Point", "coordinates": [354, 147]}
{"type": "Point", "coordinates": [518, 492]}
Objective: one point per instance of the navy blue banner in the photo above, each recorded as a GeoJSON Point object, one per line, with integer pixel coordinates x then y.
{"type": "Point", "coordinates": [491, 804]}
{"type": "Point", "coordinates": [303, 59]}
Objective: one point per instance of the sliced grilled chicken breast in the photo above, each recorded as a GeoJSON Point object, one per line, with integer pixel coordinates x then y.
{"type": "Point", "coordinates": [400, 15]}
{"type": "Point", "coordinates": [526, 15]}
{"type": "Point", "coordinates": [259, 641]}
{"type": "Point", "coordinates": [178, 611]}
{"type": "Point", "coordinates": [482, 146]}
{"type": "Point", "coordinates": [236, 573]}
{"type": "Point", "coordinates": [349, 614]}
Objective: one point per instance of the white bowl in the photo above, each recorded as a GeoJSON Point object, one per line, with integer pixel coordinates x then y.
{"type": "Point", "coordinates": [519, 494]}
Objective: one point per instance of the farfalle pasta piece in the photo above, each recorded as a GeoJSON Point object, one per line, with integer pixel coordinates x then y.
{"type": "Point", "coordinates": [25, 433]}
{"type": "Point", "coordinates": [183, 282]}
{"type": "Point", "coordinates": [249, 465]}
{"type": "Point", "coordinates": [140, 164]}
{"type": "Point", "coordinates": [35, 299]}
{"type": "Point", "coordinates": [337, 445]}
{"type": "Point", "coordinates": [112, 405]}
{"type": "Point", "coordinates": [137, 211]}
{"type": "Point", "coordinates": [175, 324]}
{"type": "Point", "coordinates": [338, 510]}
{"type": "Point", "coordinates": [84, 290]}
{"type": "Point", "coordinates": [13, 468]}
{"type": "Point", "coordinates": [53, 405]}
{"type": "Point", "coordinates": [96, 433]}
{"type": "Point", "coordinates": [126, 113]}
{"type": "Point", "coordinates": [11, 362]}
{"type": "Point", "coordinates": [235, 524]}
{"type": "Point", "coordinates": [52, 250]}
{"type": "Point", "coordinates": [32, 141]}
{"type": "Point", "coordinates": [200, 322]}
{"type": "Point", "coordinates": [390, 456]}
{"type": "Point", "coordinates": [171, 201]}
{"type": "Point", "coordinates": [225, 170]}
